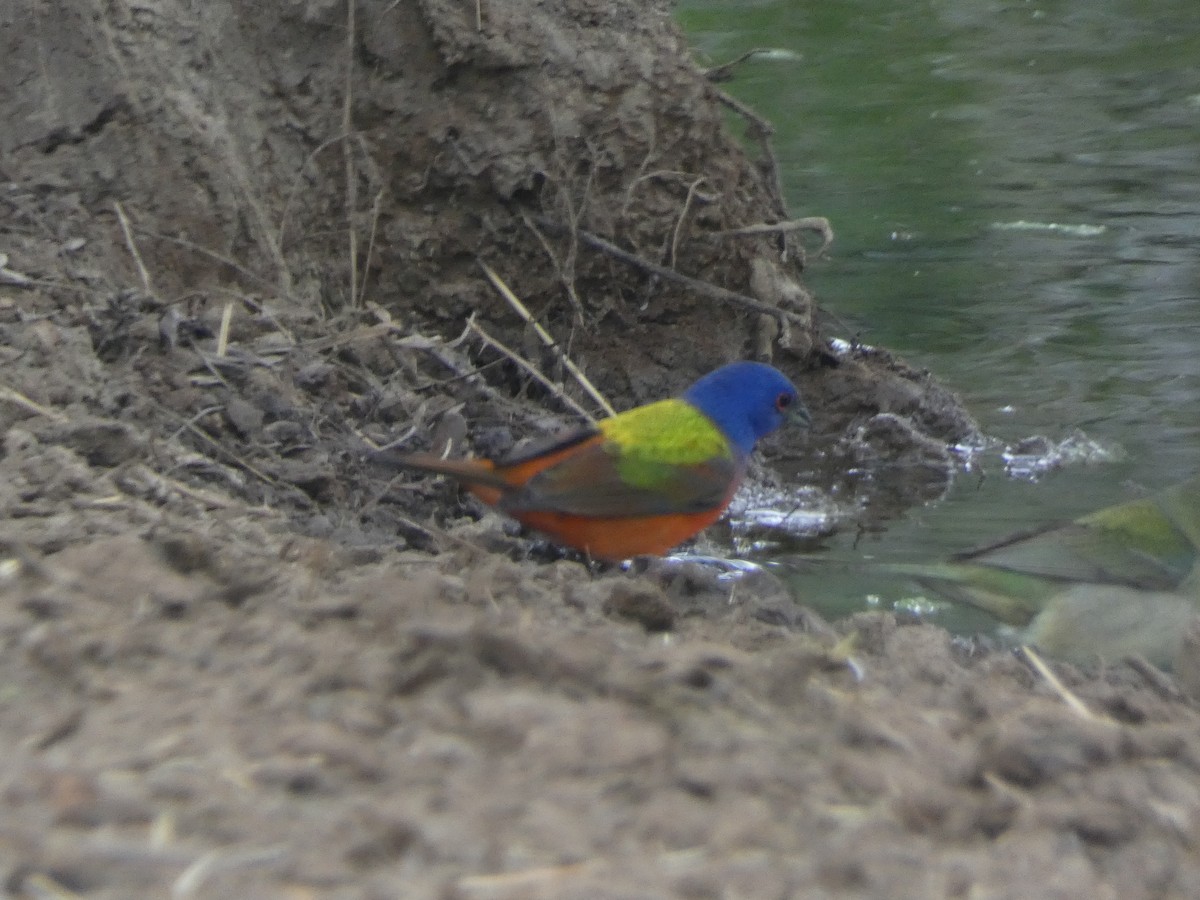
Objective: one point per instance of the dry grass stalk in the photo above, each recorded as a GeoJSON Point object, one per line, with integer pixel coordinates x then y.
{"type": "Point", "coordinates": [348, 154]}
{"type": "Point", "coordinates": [223, 333]}
{"type": "Point", "coordinates": [131, 244]}
{"type": "Point", "coordinates": [531, 369]}
{"type": "Point", "coordinates": [576, 372]}
{"type": "Point", "coordinates": [1073, 702]}
{"type": "Point", "coordinates": [19, 399]}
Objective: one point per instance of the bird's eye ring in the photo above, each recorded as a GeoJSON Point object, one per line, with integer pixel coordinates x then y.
{"type": "Point", "coordinates": [783, 401]}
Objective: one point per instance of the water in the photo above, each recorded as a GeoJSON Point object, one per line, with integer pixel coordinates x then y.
{"type": "Point", "coordinates": [1015, 189]}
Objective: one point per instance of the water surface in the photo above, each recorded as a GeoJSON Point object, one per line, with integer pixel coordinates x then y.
{"type": "Point", "coordinates": [1015, 189]}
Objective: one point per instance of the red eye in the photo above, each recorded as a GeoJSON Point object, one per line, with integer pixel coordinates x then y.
{"type": "Point", "coordinates": [783, 401]}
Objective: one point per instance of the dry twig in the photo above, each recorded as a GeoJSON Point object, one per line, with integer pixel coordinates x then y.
{"type": "Point", "coordinates": [8, 276]}
{"type": "Point", "coordinates": [524, 882]}
{"type": "Point", "coordinates": [376, 205]}
{"type": "Point", "coordinates": [216, 862]}
{"type": "Point", "coordinates": [191, 426]}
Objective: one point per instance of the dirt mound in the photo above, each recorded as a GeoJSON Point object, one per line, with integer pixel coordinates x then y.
{"type": "Point", "coordinates": [242, 243]}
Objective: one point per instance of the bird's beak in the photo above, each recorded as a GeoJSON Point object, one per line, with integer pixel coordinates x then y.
{"type": "Point", "coordinates": [798, 415]}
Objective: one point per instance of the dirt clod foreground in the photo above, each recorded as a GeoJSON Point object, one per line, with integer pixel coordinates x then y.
{"type": "Point", "coordinates": [240, 659]}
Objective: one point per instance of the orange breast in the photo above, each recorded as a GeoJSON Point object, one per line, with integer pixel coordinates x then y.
{"type": "Point", "coordinates": [615, 539]}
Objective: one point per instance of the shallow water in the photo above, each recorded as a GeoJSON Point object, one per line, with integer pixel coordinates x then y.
{"type": "Point", "coordinates": [1015, 190]}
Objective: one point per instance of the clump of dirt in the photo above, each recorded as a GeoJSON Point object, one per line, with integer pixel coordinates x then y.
{"type": "Point", "coordinates": [240, 246]}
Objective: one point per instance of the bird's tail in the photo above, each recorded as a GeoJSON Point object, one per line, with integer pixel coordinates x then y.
{"type": "Point", "coordinates": [474, 473]}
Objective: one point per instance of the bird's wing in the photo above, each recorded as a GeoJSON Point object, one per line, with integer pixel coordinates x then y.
{"type": "Point", "coordinates": [594, 480]}
{"type": "Point", "coordinates": [662, 458]}
{"type": "Point", "coordinates": [497, 475]}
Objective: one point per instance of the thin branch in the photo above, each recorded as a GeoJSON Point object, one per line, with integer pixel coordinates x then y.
{"type": "Point", "coordinates": [390, 445]}
{"type": "Point", "coordinates": [649, 157]}
{"type": "Point", "coordinates": [671, 174]}
{"type": "Point", "coordinates": [286, 216]}
{"type": "Point", "coordinates": [190, 425]}
{"type": "Point", "coordinates": [525, 882]}
{"type": "Point", "coordinates": [165, 483]}
{"type": "Point", "coordinates": [8, 276]}
{"type": "Point", "coordinates": [213, 255]}
{"type": "Point", "coordinates": [438, 534]}
{"type": "Point", "coordinates": [360, 332]}
{"type": "Point", "coordinates": [216, 862]}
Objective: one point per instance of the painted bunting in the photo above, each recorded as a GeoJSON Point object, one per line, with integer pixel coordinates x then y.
{"type": "Point", "coordinates": [1122, 581]}
{"type": "Point", "coordinates": [645, 480]}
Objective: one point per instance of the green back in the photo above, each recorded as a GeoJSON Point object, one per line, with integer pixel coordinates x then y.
{"type": "Point", "coordinates": [654, 440]}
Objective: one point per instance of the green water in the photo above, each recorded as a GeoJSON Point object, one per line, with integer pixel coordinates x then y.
{"type": "Point", "coordinates": [1015, 190]}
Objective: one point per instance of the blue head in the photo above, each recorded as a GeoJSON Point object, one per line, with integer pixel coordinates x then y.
{"type": "Point", "coordinates": [747, 401]}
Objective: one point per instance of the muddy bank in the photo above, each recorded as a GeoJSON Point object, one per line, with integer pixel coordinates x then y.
{"type": "Point", "coordinates": [241, 245]}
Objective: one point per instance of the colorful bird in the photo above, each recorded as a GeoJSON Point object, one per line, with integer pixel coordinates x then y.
{"type": "Point", "coordinates": [642, 481]}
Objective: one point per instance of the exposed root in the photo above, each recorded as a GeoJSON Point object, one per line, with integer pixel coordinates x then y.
{"type": "Point", "coordinates": [682, 218]}
{"type": "Point", "coordinates": [818, 224]}
{"type": "Point", "coordinates": [720, 294]}
{"type": "Point", "coordinates": [763, 131]}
